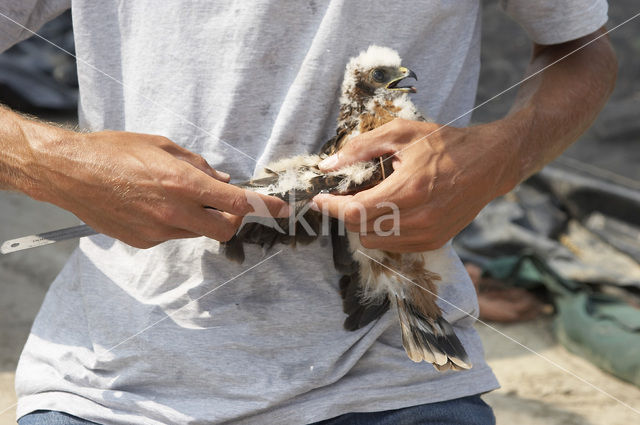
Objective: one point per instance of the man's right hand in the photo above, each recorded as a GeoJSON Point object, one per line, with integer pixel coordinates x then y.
{"type": "Point", "coordinates": [141, 189]}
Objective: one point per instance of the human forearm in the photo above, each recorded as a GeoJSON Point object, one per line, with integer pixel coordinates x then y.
{"type": "Point", "coordinates": [140, 188]}
{"type": "Point", "coordinates": [17, 136]}
{"type": "Point", "coordinates": [554, 107]}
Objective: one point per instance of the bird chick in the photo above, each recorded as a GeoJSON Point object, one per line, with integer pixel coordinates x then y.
{"type": "Point", "coordinates": [373, 280]}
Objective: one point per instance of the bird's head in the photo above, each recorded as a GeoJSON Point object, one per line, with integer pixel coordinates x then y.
{"type": "Point", "coordinates": [375, 72]}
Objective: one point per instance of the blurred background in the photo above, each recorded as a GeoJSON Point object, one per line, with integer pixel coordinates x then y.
{"type": "Point", "coordinates": [555, 262]}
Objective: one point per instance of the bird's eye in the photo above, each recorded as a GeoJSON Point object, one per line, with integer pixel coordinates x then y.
{"type": "Point", "coordinates": [378, 75]}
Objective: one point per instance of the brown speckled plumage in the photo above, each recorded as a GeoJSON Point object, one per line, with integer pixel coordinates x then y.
{"type": "Point", "coordinates": [372, 280]}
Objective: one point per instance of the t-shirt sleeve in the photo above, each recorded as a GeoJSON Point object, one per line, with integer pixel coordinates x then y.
{"type": "Point", "coordinates": [32, 14]}
{"type": "Point", "coordinates": [557, 21]}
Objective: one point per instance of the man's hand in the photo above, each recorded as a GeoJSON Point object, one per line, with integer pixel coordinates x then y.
{"type": "Point", "coordinates": [139, 188]}
{"type": "Point", "coordinates": [439, 184]}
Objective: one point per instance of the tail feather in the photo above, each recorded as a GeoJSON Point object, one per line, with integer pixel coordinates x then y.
{"type": "Point", "coordinates": [430, 340]}
{"type": "Point", "coordinates": [359, 312]}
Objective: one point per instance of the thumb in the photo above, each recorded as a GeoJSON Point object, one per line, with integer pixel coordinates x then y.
{"type": "Point", "coordinates": [363, 147]}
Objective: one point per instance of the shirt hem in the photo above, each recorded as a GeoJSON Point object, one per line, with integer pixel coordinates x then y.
{"type": "Point", "coordinates": [324, 407]}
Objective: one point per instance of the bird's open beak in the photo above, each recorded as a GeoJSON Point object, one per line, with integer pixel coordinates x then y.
{"type": "Point", "coordinates": [402, 74]}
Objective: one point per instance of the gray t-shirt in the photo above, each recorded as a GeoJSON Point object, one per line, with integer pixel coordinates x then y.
{"type": "Point", "coordinates": [175, 334]}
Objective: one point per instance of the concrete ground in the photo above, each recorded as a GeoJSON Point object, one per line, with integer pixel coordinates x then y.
{"type": "Point", "coordinates": [24, 279]}
{"type": "Point", "coordinates": [534, 390]}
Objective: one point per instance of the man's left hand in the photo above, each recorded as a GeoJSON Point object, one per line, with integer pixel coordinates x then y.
{"type": "Point", "coordinates": [443, 176]}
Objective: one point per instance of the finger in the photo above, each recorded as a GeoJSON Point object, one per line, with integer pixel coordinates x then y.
{"type": "Point", "coordinates": [156, 233]}
{"type": "Point", "coordinates": [219, 175]}
{"type": "Point", "coordinates": [166, 233]}
{"type": "Point", "coordinates": [122, 233]}
{"type": "Point", "coordinates": [409, 219]}
{"type": "Point", "coordinates": [372, 240]}
{"type": "Point", "coordinates": [333, 205]}
{"type": "Point", "coordinates": [210, 223]}
{"type": "Point", "coordinates": [201, 164]}
{"type": "Point", "coordinates": [448, 219]}
{"type": "Point", "coordinates": [401, 192]}
{"type": "Point", "coordinates": [402, 244]}
{"type": "Point", "coordinates": [363, 147]}
{"type": "Point", "coordinates": [392, 219]}
{"type": "Point", "coordinates": [235, 220]}
{"type": "Point", "coordinates": [192, 158]}
{"type": "Point", "coordinates": [237, 201]}
{"type": "Point", "coordinates": [143, 237]}
{"type": "Point", "coordinates": [391, 195]}
{"type": "Point", "coordinates": [357, 209]}
{"type": "Point", "coordinates": [197, 221]}
{"type": "Point", "coordinates": [402, 188]}
{"type": "Point", "coordinates": [414, 240]}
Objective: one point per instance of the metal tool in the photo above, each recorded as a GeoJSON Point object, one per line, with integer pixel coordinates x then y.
{"type": "Point", "coordinates": [47, 238]}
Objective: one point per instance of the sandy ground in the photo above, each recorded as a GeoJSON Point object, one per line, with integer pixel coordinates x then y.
{"type": "Point", "coordinates": [552, 387]}
{"type": "Point", "coordinates": [535, 390]}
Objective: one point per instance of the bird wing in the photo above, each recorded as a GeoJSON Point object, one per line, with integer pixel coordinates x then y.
{"type": "Point", "coordinates": [336, 143]}
{"type": "Point", "coordinates": [308, 226]}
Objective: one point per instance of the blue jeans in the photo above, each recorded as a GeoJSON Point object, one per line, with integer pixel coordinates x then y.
{"type": "Point", "coordinates": [463, 411]}
{"type": "Point", "coordinates": [49, 417]}
{"type": "Point", "coordinates": [470, 410]}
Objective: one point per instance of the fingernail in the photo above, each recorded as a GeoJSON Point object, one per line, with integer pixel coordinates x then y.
{"type": "Point", "coordinates": [285, 211]}
{"type": "Point", "coordinates": [329, 162]}
{"type": "Point", "coordinates": [314, 206]}
{"type": "Point", "coordinates": [223, 175]}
